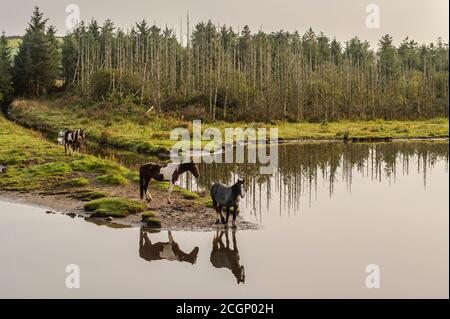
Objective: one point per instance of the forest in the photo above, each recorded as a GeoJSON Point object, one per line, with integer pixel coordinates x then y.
{"type": "Point", "coordinates": [218, 73]}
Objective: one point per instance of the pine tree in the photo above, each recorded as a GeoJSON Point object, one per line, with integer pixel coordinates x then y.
{"type": "Point", "coordinates": [5, 71]}
{"type": "Point", "coordinates": [36, 64]}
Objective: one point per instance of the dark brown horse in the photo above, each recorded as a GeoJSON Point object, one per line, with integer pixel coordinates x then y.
{"type": "Point", "coordinates": [170, 173]}
{"type": "Point", "coordinates": [164, 250]}
{"type": "Point", "coordinates": [73, 140]}
{"type": "Point", "coordinates": [222, 256]}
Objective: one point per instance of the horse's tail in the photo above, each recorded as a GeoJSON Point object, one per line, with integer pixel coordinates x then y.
{"type": "Point", "coordinates": [141, 185]}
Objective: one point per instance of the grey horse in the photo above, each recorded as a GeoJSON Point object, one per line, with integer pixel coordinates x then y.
{"type": "Point", "coordinates": [224, 196]}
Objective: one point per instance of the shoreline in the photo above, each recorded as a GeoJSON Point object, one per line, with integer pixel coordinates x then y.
{"type": "Point", "coordinates": [38, 172]}
{"type": "Point", "coordinates": [56, 204]}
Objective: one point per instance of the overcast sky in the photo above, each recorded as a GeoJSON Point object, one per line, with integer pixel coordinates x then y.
{"type": "Point", "coordinates": [421, 20]}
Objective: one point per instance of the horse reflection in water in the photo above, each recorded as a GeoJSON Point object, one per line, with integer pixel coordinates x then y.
{"type": "Point", "coordinates": [222, 256]}
{"type": "Point", "coordinates": [164, 250]}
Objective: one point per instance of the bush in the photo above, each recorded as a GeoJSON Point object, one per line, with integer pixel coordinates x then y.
{"type": "Point", "coordinates": [101, 84]}
{"type": "Point", "coordinates": [126, 84]}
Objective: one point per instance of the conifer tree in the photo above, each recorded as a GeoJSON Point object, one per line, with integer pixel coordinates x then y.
{"type": "Point", "coordinates": [5, 71]}
{"type": "Point", "coordinates": [36, 65]}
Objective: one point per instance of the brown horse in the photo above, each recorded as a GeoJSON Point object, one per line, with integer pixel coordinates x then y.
{"type": "Point", "coordinates": [164, 250]}
{"type": "Point", "coordinates": [170, 173]}
{"type": "Point", "coordinates": [73, 140]}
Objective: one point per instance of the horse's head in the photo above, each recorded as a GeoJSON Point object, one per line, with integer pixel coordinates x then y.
{"type": "Point", "coordinates": [82, 134]}
{"type": "Point", "coordinates": [239, 186]}
{"type": "Point", "coordinates": [193, 168]}
{"type": "Point", "coordinates": [240, 275]}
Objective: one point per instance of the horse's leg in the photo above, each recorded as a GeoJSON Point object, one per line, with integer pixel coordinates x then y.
{"type": "Point", "coordinates": [219, 241]}
{"type": "Point", "coordinates": [228, 215]}
{"type": "Point", "coordinates": [227, 240]}
{"type": "Point", "coordinates": [65, 147]}
{"type": "Point", "coordinates": [234, 240]}
{"type": "Point", "coordinates": [235, 209]}
{"type": "Point", "coordinates": [215, 240]}
{"type": "Point", "coordinates": [217, 211]}
{"type": "Point", "coordinates": [148, 197]}
{"type": "Point", "coordinates": [170, 191]}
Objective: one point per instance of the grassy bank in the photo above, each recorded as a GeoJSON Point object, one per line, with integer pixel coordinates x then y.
{"type": "Point", "coordinates": [36, 165]}
{"type": "Point", "coordinates": [132, 128]}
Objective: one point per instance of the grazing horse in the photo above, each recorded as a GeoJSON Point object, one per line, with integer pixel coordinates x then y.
{"type": "Point", "coordinates": [73, 140]}
{"type": "Point", "coordinates": [224, 257]}
{"type": "Point", "coordinates": [224, 196]}
{"type": "Point", "coordinates": [169, 173]}
{"type": "Point", "coordinates": [166, 250]}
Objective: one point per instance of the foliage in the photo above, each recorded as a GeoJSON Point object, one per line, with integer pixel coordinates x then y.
{"type": "Point", "coordinates": [36, 65]}
{"type": "Point", "coordinates": [250, 76]}
{"type": "Point", "coordinates": [5, 71]}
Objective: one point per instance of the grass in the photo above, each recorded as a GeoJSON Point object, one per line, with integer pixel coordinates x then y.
{"type": "Point", "coordinates": [112, 179]}
{"type": "Point", "coordinates": [150, 219]}
{"type": "Point", "coordinates": [113, 207]}
{"type": "Point", "coordinates": [132, 129]}
{"type": "Point", "coordinates": [184, 192]}
{"type": "Point", "coordinates": [88, 195]}
{"type": "Point", "coordinates": [77, 182]}
{"type": "Point", "coordinates": [34, 163]}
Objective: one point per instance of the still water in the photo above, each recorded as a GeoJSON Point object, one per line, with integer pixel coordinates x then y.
{"type": "Point", "coordinates": [328, 211]}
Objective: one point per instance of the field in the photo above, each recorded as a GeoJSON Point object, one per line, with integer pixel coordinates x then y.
{"type": "Point", "coordinates": [36, 167]}
{"type": "Point", "coordinates": [132, 128]}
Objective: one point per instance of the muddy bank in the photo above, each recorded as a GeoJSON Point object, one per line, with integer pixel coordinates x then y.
{"type": "Point", "coordinates": [182, 215]}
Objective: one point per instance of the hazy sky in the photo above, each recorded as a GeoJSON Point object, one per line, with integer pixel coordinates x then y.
{"type": "Point", "coordinates": [422, 20]}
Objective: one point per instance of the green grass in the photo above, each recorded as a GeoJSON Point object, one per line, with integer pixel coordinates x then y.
{"type": "Point", "coordinates": [88, 195]}
{"type": "Point", "coordinates": [33, 163]}
{"type": "Point", "coordinates": [204, 201]}
{"type": "Point", "coordinates": [132, 129]}
{"type": "Point", "coordinates": [77, 182]}
{"type": "Point", "coordinates": [150, 219]}
{"type": "Point", "coordinates": [112, 179]}
{"type": "Point", "coordinates": [183, 192]}
{"type": "Point", "coordinates": [114, 207]}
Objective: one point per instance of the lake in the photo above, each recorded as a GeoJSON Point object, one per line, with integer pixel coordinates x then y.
{"type": "Point", "coordinates": [330, 210]}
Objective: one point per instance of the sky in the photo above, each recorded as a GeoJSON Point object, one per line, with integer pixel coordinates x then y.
{"type": "Point", "coordinates": [421, 20]}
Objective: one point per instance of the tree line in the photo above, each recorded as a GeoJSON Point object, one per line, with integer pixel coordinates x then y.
{"type": "Point", "coordinates": [237, 75]}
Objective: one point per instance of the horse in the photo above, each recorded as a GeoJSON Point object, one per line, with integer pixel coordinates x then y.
{"type": "Point", "coordinates": [73, 140]}
{"type": "Point", "coordinates": [170, 173]}
{"type": "Point", "coordinates": [224, 257]}
{"type": "Point", "coordinates": [224, 196]}
{"type": "Point", "coordinates": [164, 250]}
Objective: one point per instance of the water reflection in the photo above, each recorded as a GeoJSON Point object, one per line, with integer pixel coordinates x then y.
{"type": "Point", "coordinates": [302, 166]}
{"type": "Point", "coordinates": [164, 250]}
{"type": "Point", "coordinates": [222, 256]}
